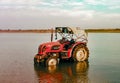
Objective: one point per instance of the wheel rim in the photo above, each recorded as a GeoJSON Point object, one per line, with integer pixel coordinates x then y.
{"type": "Point", "coordinates": [52, 62]}
{"type": "Point", "coordinates": [81, 54]}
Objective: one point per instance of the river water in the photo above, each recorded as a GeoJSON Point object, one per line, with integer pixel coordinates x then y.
{"type": "Point", "coordinates": [17, 51]}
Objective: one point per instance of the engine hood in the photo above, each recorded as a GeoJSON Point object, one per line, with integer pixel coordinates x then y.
{"type": "Point", "coordinates": [49, 44]}
{"type": "Point", "coordinates": [49, 47]}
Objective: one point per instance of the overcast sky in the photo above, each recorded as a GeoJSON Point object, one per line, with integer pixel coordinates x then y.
{"type": "Point", "coordinates": [36, 14]}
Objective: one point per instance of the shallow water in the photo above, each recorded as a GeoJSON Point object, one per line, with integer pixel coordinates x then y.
{"type": "Point", "coordinates": [17, 51]}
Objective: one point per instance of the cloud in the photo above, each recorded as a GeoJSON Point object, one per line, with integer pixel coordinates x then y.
{"type": "Point", "coordinates": [60, 4]}
{"type": "Point", "coordinates": [45, 8]}
{"type": "Point", "coordinates": [95, 2]}
{"type": "Point", "coordinates": [28, 3]}
{"type": "Point", "coordinates": [115, 7]}
{"type": "Point", "coordinates": [59, 13]}
{"type": "Point", "coordinates": [107, 5]}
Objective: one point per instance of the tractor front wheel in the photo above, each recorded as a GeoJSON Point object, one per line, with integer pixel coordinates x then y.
{"type": "Point", "coordinates": [36, 59]}
{"type": "Point", "coordinates": [80, 53]}
{"type": "Point", "coordinates": [51, 61]}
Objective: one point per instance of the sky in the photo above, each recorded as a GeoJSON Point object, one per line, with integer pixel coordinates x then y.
{"type": "Point", "coordinates": [37, 14]}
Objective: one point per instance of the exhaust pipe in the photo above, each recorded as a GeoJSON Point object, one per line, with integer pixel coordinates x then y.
{"type": "Point", "coordinates": [51, 34]}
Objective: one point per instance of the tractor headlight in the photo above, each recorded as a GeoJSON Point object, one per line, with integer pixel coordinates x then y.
{"type": "Point", "coordinates": [56, 47]}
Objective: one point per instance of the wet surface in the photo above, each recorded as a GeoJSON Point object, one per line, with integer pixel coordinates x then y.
{"type": "Point", "coordinates": [17, 52]}
{"type": "Point", "coordinates": [64, 73]}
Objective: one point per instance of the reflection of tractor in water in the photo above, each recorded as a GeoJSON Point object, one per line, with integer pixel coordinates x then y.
{"type": "Point", "coordinates": [64, 73]}
{"type": "Point", "coordinates": [72, 46]}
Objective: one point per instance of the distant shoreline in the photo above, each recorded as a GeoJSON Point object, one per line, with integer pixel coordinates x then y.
{"type": "Point", "coordinates": [49, 31]}
{"type": "Point", "coordinates": [102, 30]}
{"type": "Point", "coordinates": [26, 31]}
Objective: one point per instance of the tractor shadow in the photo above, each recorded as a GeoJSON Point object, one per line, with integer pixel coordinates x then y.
{"type": "Point", "coordinates": [65, 72]}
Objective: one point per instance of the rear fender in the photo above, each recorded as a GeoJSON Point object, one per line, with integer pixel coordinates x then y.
{"type": "Point", "coordinates": [70, 51]}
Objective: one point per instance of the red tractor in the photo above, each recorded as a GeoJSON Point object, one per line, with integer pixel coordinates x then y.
{"type": "Point", "coordinates": [72, 45]}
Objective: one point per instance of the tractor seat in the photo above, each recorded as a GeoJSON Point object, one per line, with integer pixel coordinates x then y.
{"type": "Point", "coordinates": [69, 45]}
{"type": "Point", "coordinates": [63, 40]}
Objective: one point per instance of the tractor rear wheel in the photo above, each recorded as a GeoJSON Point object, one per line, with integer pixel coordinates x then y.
{"type": "Point", "coordinates": [51, 61]}
{"type": "Point", "coordinates": [80, 53]}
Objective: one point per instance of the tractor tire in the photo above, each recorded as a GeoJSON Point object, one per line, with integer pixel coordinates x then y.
{"type": "Point", "coordinates": [80, 53]}
{"type": "Point", "coordinates": [35, 61]}
{"type": "Point", "coordinates": [52, 61]}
